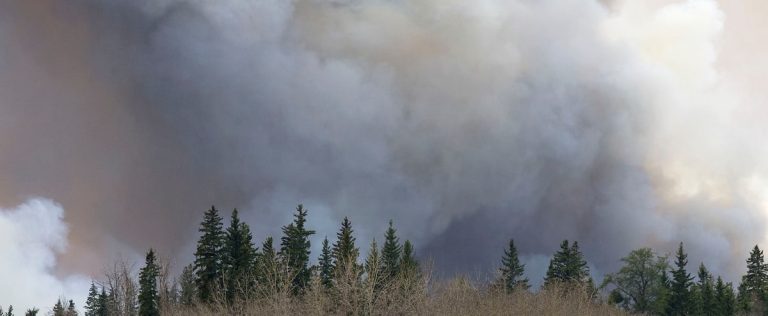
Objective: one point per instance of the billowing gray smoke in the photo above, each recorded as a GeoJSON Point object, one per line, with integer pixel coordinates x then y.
{"type": "Point", "coordinates": [618, 124]}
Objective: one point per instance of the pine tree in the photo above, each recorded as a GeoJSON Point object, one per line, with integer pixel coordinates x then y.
{"type": "Point", "coordinates": [680, 298]}
{"type": "Point", "coordinates": [187, 284]}
{"type": "Point", "coordinates": [345, 253]}
{"type": "Point", "coordinates": [58, 309]}
{"type": "Point", "coordinates": [71, 311]}
{"type": "Point", "coordinates": [238, 261]}
{"type": "Point", "coordinates": [295, 248]}
{"type": "Point", "coordinates": [409, 266]}
{"type": "Point", "coordinates": [32, 312]}
{"type": "Point", "coordinates": [512, 270]}
{"type": "Point", "coordinates": [391, 252]}
{"type": "Point", "coordinates": [326, 265]}
{"type": "Point", "coordinates": [208, 256]}
{"type": "Point", "coordinates": [92, 302]}
{"type": "Point", "coordinates": [10, 311]}
{"type": "Point", "coordinates": [148, 296]}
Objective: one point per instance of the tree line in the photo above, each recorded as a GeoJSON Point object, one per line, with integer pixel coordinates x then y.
{"type": "Point", "coordinates": [230, 270]}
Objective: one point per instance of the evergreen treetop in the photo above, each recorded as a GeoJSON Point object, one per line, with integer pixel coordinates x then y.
{"type": "Point", "coordinates": [391, 252]}
{"type": "Point", "coordinates": [92, 302]}
{"type": "Point", "coordinates": [326, 264]}
{"type": "Point", "coordinates": [345, 253]}
{"type": "Point", "coordinates": [409, 266]}
{"type": "Point", "coordinates": [680, 300]}
{"type": "Point", "coordinates": [239, 256]}
{"type": "Point", "coordinates": [512, 270]}
{"type": "Point", "coordinates": [58, 309]}
{"type": "Point", "coordinates": [567, 266]}
{"type": "Point", "coordinates": [148, 295]}
{"type": "Point", "coordinates": [208, 256]}
{"type": "Point", "coordinates": [295, 247]}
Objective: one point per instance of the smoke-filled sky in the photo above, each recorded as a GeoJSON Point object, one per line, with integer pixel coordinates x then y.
{"type": "Point", "coordinates": [620, 124]}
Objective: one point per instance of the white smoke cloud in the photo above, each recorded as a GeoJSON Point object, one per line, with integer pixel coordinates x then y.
{"type": "Point", "coordinates": [32, 235]}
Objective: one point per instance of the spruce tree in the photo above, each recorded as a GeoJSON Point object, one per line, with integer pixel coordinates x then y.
{"type": "Point", "coordinates": [32, 312]}
{"type": "Point", "coordinates": [187, 285]}
{"type": "Point", "coordinates": [680, 298]}
{"type": "Point", "coordinates": [92, 302]}
{"type": "Point", "coordinates": [752, 290]}
{"type": "Point", "coordinates": [409, 266]}
{"type": "Point", "coordinates": [345, 253]}
{"type": "Point", "coordinates": [238, 261]}
{"type": "Point", "coordinates": [58, 309]}
{"type": "Point", "coordinates": [208, 256]}
{"type": "Point", "coordinates": [326, 265]}
{"type": "Point", "coordinates": [557, 271]}
{"type": "Point", "coordinates": [705, 293]}
{"type": "Point", "coordinates": [148, 296]}
{"type": "Point", "coordinates": [724, 298]}
{"type": "Point", "coordinates": [512, 270]}
{"type": "Point", "coordinates": [295, 248]}
{"type": "Point", "coordinates": [391, 252]}
{"type": "Point", "coordinates": [104, 304]}
{"type": "Point", "coordinates": [568, 267]}
{"type": "Point", "coordinates": [576, 266]}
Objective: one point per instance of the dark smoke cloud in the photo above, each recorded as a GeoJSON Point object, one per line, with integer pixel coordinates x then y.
{"type": "Point", "coordinates": [467, 124]}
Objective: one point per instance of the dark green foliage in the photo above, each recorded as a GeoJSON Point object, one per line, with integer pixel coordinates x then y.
{"type": "Point", "coordinates": [640, 282]}
{"type": "Point", "coordinates": [725, 302]}
{"type": "Point", "coordinates": [326, 264]}
{"type": "Point", "coordinates": [105, 302]}
{"type": "Point", "coordinates": [92, 302]}
{"type": "Point", "coordinates": [704, 297]}
{"type": "Point", "coordinates": [295, 248]}
{"type": "Point", "coordinates": [10, 311]}
{"type": "Point", "coordinates": [567, 266]}
{"type": "Point", "coordinates": [680, 296]}
{"type": "Point", "coordinates": [32, 312]}
{"type": "Point", "coordinates": [512, 270]}
{"type": "Point", "coordinates": [238, 260]}
{"type": "Point", "coordinates": [58, 309]}
{"type": "Point", "coordinates": [148, 296]}
{"type": "Point", "coordinates": [752, 290]}
{"type": "Point", "coordinates": [391, 252]}
{"type": "Point", "coordinates": [345, 253]}
{"type": "Point", "coordinates": [409, 266]}
{"type": "Point", "coordinates": [187, 285]}
{"type": "Point", "coordinates": [208, 256]}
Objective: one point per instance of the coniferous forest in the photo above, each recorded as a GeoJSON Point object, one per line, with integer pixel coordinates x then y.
{"type": "Point", "coordinates": [232, 274]}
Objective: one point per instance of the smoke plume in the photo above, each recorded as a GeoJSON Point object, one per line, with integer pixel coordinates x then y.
{"type": "Point", "coordinates": [31, 235]}
{"type": "Point", "coordinates": [620, 124]}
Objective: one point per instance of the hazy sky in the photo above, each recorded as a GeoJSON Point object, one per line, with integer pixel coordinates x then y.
{"type": "Point", "coordinates": [619, 124]}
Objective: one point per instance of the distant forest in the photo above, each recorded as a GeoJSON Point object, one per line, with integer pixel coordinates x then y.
{"type": "Point", "coordinates": [232, 275]}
